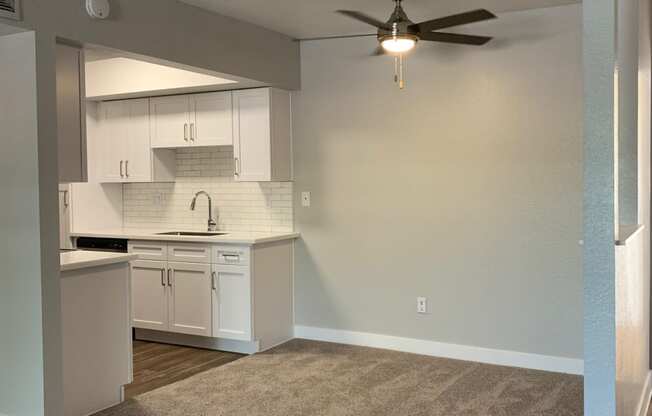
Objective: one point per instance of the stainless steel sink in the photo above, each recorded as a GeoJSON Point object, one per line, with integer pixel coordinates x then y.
{"type": "Point", "coordinates": [192, 233]}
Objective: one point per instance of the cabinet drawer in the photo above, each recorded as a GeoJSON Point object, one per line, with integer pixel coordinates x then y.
{"type": "Point", "coordinates": [233, 255]}
{"type": "Point", "coordinates": [188, 252]}
{"type": "Point", "coordinates": [149, 250]}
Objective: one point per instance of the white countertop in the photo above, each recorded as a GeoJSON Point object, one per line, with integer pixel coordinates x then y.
{"type": "Point", "coordinates": [235, 237]}
{"type": "Point", "coordinates": [75, 260]}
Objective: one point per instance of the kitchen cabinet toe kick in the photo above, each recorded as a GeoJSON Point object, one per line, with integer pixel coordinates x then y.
{"type": "Point", "coordinates": [209, 343]}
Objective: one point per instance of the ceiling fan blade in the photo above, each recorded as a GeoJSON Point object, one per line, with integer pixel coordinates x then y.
{"type": "Point", "coordinates": [335, 37]}
{"type": "Point", "coordinates": [455, 38]}
{"type": "Point", "coordinates": [364, 18]}
{"type": "Point", "coordinates": [454, 20]}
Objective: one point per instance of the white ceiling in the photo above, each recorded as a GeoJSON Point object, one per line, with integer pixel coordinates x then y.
{"type": "Point", "coordinates": [312, 18]}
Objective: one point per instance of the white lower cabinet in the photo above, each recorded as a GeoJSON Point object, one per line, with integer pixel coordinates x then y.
{"type": "Point", "coordinates": [190, 299]}
{"type": "Point", "coordinates": [149, 294]}
{"type": "Point", "coordinates": [234, 297]}
{"type": "Point", "coordinates": [231, 302]}
{"type": "Point", "coordinates": [173, 297]}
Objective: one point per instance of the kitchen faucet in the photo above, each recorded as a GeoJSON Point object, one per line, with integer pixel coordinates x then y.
{"type": "Point", "coordinates": [212, 225]}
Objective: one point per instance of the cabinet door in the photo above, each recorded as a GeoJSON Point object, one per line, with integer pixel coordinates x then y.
{"type": "Point", "coordinates": [170, 122]}
{"type": "Point", "coordinates": [71, 114]}
{"type": "Point", "coordinates": [211, 117]}
{"type": "Point", "coordinates": [138, 156]}
{"type": "Point", "coordinates": [231, 302]}
{"type": "Point", "coordinates": [110, 149]}
{"type": "Point", "coordinates": [252, 135]}
{"type": "Point", "coordinates": [190, 298]}
{"type": "Point", "coordinates": [149, 295]}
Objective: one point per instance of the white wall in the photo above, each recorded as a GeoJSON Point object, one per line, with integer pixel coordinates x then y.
{"type": "Point", "coordinates": [633, 259]}
{"type": "Point", "coordinates": [96, 206]}
{"type": "Point", "coordinates": [643, 156]}
{"type": "Point", "coordinates": [124, 77]}
{"type": "Point", "coordinates": [465, 188]}
{"type": "Point", "coordinates": [632, 326]}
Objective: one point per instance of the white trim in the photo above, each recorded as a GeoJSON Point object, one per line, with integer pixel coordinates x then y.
{"type": "Point", "coordinates": [646, 395]}
{"type": "Point", "coordinates": [439, 349]}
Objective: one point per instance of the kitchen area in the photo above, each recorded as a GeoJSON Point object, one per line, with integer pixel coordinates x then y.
{"type": "Point", "coordinates": [176, 215]}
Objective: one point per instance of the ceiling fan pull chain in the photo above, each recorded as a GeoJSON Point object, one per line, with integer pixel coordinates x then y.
{"type": "Point", "coordinates": [396, 69]}
{"type": "Point", "coordinates": [401, 82]}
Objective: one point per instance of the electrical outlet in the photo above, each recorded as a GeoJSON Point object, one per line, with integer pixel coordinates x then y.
{"type": "Point", "coordinates": [158, 199]}
{"type": "Point", "coordinates": [422, 305]}
{"type": "Point", "coordinates": [305, 199]}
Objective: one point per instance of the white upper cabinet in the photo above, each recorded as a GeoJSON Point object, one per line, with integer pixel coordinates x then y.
{"type": "Point", "coordinates": [192, 120]}
{"type": "Point", "coordinates": [121, 145]}
{"type": "Point", "coordinates": [114, 130]}
{"type": "Point", "coordinates": [138, 152]}
{"type": "Point", "coordinates": [169, 121]}
{"type": "Point", "coordinates": [134, 140]}
{"type": "Point", "coordinates": [71, 127]}
{"type": "Point", "coordinates": [211, 119]}
{"type": "Point", "coordinates": [262, 135]}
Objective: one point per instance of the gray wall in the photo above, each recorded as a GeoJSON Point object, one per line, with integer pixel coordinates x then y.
{"type": "Point", "coordinates": [30, 288]}
{"type": "Point", "coordinates": [173, 31]}
{"type": "Point", "coordinates": [465, 188]}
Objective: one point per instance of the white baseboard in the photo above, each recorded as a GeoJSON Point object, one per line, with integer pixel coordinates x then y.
{"type": "Point", "coordinates": [438, 349]}
{"type": "Point", "coordinates": [646, 396]}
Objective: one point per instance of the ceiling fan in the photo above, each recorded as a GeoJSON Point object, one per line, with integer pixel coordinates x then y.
{"type": "Point", "coordinates": [399, 34]}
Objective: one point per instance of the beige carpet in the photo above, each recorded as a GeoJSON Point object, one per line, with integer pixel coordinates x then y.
{"type": "Point", "coordinates": [316, 378]}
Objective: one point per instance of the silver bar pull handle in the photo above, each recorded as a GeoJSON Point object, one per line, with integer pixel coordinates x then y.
{"type": "Point", "coordinates": [214, 280]}
{"type": "Point", "coordinates": [163, 277]}
{"type": "Point", "coordinates": [231, 258]}
{"type": "Point", "coordinates": [127, 168]}
{"type": "Point", "coordinates": [237, 167]}
{"type": "Point", "coordinates": [66, 201]}
{"type": "Point", "coordinates": [169, 281]}
{"type": "Point", "coordinates": [185, 132]}
{"type": "Point", "coordinates": [192, 132]}
{"type": "Point", "coordinates": [121, 165]}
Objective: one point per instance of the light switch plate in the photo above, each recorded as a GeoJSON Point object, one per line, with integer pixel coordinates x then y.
{"type": "Point", "coordinates": [305, 199]}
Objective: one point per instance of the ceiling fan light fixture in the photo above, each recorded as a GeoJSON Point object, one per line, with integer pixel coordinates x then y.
{"type": "Point", "coordinates": [399, 35]}
{"type": "Point", "coordinates": [399, 44]}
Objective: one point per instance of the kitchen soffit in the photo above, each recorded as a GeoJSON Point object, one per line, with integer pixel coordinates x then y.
{"type": "Point", "coordinates": [313, 18]}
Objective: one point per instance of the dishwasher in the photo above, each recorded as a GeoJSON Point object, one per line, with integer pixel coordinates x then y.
{"type": "Point", "coordinates": [115, 245]}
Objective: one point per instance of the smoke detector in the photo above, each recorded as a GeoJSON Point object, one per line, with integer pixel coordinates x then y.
{"type": "Point", "coordinates": [98, 9]}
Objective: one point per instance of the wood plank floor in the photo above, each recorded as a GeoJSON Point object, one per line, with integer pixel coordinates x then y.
{"type": "Point", "coordinates": [157, 365]}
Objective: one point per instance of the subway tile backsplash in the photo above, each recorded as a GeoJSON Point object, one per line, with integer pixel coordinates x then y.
{"type": "Point", "coordinates": [237, 206]}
